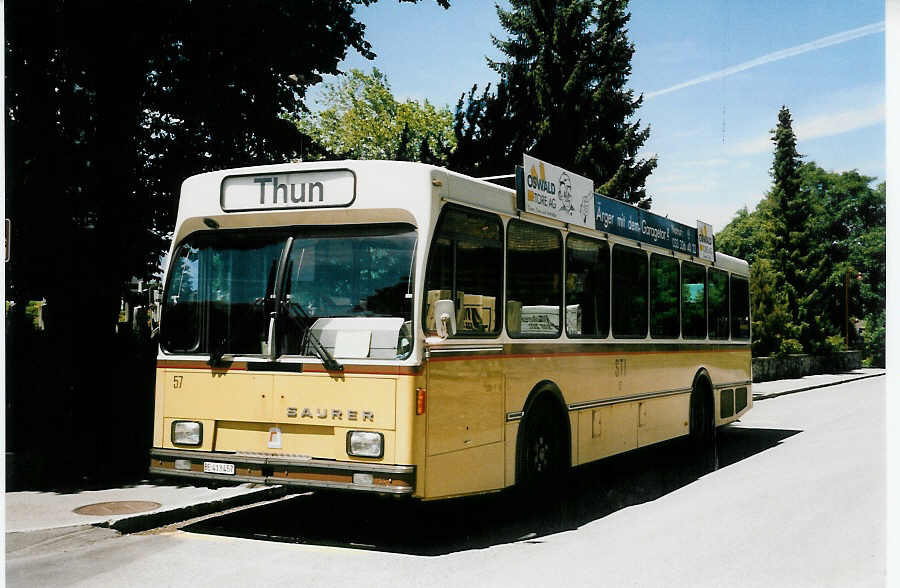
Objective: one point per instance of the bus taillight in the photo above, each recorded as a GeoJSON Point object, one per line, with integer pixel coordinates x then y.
{"type": "Point", "coordinates": [420, 400]}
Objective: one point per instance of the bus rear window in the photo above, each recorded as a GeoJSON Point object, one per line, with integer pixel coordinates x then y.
{"type": "Point", "coordinates": [740, 308]}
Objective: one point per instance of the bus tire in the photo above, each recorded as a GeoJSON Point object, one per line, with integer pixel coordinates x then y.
{"type": "Point", "coordinates": [703, 425]}
{"type": "Point", "coordinates": [542, 449]}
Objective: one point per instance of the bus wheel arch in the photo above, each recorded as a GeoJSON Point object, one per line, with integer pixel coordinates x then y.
{"type": "Point", "coordinates": [702, 419]}
{"type": "Point", "coordinates": [543, 442]}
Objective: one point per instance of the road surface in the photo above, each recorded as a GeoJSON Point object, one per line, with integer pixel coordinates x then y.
{"type": "Point", "coordinates": [798, 500]}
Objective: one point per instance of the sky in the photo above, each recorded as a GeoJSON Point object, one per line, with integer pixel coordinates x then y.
{"type": "Point", "coordinates": [713, 76]}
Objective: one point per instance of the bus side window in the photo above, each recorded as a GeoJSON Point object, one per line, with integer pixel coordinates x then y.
{"type": "Point", "coordinates": [693, 301]}
{"type": "Point", "coordinates": [587, 287]}
{"type": "Point", "coordinates": [663, 297]}
{"type": "Point", "coordinates": [533, 280]}
{"type": "Point", "coordinates": [465, 264]}
{"type": "Point", "coordinates": [718, 304]}
{"type": "Point", "coordinates": [629, 292]}
{"type": "Point", "coordinates": [740, 308]}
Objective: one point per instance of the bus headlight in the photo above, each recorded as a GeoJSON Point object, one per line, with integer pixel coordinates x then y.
{"type": "Point", "coordinates": [365, 444]}
{"type": "Point", "coordinates": [187, 433]}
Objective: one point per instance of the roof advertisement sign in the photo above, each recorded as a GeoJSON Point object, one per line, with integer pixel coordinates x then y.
{"type": "Point", "coordinates": [655, 229]}
{"type": "Point", "coordinates": [705, 241]}
{"type": "Point", "coordinates": [551, 191]}
{"type": "Point", "coordinates": [624, 220]}
{"type": "Point", "coordinates": [618, 218]}
{"type": "Point", "coordinates": [684, 238]}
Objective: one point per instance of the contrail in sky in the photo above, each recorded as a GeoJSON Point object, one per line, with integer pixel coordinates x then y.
{"type": "Point", "coordinates": [828, 41]}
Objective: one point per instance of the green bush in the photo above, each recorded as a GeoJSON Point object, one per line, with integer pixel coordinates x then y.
{"type": "Point", "coordinates": [834, 344]}
{"type": "Point", "coordinates": [790, 347]}
{"type": "Point", "coordinates": [873, 339]}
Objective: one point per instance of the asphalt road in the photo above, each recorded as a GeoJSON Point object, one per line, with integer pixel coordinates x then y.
{"type": "Point", "coordinates": [798, 499]}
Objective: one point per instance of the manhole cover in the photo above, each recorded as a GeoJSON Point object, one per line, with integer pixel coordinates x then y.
{"type": "Point", "coordinates": [117, 508]}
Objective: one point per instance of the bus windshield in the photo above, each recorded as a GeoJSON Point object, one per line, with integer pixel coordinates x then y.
{"type": "Point", "coordinates": [223, 292]}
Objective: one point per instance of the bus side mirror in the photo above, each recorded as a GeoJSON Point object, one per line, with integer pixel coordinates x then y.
{"type": "Point", "coordinates": [445, 318]}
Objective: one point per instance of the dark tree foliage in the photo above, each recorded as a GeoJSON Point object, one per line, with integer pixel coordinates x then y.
{"type": "Point", "coordinates": [773, 327]}
{"type": "Point", "coordinates": [562, 97]}
{"type": "Point", "coordinates": [799, 269]}
{"type": "Point", "coordinates": [115, 103]}
{"type": "Point", "coordinates": [110, 105]}
{"type": "Point", "coordinates": [846, 233]}
{"type": "Point", "coordinates": [487, 141]}
{"type": "Point", "coordinates": [791, 210]}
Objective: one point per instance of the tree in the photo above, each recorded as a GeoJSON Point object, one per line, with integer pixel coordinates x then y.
{"type": "Point", "coordinates": [487, 140]}
{"type": "Point", "coordinates": [748, 235]}
{"type": "Point", "coordinates": [789, 211]}
{"type": "Point", "coordinates": [874, 339]}
{"type": "Point", "coordinates": [361, 119]}
{"type": "Point", "coordinates": [109, 106]}
{"type": "Point", "coordinates": [562, 97]}
{"type": "Point", "coordinates": [847, 233]}
{"type": "Point", "coordinates": [843, 234]}
{"type": "Point", "coordinates": [773, 328]}
{"type": "Point", "coordinates": [798, 250]}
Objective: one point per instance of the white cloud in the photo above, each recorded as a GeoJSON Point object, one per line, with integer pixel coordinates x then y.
{"type": "Point", "coordinates": [828, 41]}
{"type": "Point", "coordinates": [687, 188]}
{"type": "Point", "coordinates": [824, 125]}
{"type": "Point", "coordinates": [686, 133]}
{"type": "Point", "coordinates": [757, 144]}
{"type": "Point", "coordinates": [840, 122]}
{"type": "Point", "coordinates": [711, 162]}
{"type": "Point", "coordinates": [717, 211]}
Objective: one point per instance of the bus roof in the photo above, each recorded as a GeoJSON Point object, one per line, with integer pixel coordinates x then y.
{"type": "Point", "coordinates": [363, 191]}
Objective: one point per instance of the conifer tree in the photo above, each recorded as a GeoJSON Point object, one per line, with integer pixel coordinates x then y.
{"type": "Point", "coordinates": [487, 143]}
{"type": "Point", "coordinates": [789, 207]}
{"type": "Point", "coordinates": [562, 97]}
{"type": "Point", "coordinates": [773, 325]}
{"type": "Point", "coordinates": [796, 252]}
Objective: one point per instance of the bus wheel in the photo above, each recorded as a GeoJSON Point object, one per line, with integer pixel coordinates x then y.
{"type": "Point", "coordinates": [542, 453]}
{"type": "Point", "coordinates": [703, 427]}
{"type": "Point", "coordinates": [542, 466]}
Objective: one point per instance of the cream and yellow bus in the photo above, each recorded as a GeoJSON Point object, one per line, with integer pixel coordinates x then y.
{"type": "Point", "coordinates": [399, 328]}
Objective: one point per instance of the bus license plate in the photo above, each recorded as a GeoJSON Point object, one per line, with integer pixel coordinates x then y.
{"type": "Point", "coordinates": [214, 467]}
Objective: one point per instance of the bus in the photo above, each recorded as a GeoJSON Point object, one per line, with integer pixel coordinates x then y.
{"type": "Point", "coordinates": [399, 328]}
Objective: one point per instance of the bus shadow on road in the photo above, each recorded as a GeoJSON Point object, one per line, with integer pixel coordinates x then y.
{"type": "Point", "coordinates": [383, 524]}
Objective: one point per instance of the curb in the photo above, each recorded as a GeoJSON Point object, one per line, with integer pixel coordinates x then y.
{"type": "Point", "coordinates": [152, 520]}
{"type": "Point", "coordinates": [786, 392]}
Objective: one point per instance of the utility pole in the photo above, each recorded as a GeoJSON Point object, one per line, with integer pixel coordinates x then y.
{"type": "Point", "coordinates": [847, 304]}
{"type": "Point", "coordinates": [847, 307]}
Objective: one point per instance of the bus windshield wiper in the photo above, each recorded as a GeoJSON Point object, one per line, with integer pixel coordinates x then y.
{"type": "Point", "coordinates": [294, 309]}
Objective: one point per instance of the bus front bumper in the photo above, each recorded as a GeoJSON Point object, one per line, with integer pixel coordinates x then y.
{"type": "Point", "coordinates": [299, 471]}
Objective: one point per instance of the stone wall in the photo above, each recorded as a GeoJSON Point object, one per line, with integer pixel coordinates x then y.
{"type": "Point", "coordinates": [797, 366]}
